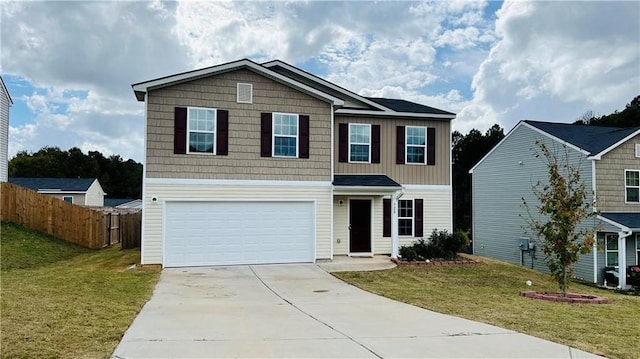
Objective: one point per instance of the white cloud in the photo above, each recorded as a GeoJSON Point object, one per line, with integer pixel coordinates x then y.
{"type": "Point", "coordinates": [555, 60]}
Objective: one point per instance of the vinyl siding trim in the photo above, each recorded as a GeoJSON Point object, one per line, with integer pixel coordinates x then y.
{"type": "Point", "coordinates": [345, 111]}
{"type": "Point", "coordinates": [221, 182]}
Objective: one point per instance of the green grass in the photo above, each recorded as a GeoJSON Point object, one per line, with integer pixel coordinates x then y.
{"type": "Point", "coordinates": [489, 293]}
{"type": "Point", "coordinates": [59, 300]}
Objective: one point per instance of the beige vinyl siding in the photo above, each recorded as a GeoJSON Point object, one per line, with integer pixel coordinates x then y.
{"type": "Point", "coordinates": [436, 212]}
{"type": "Point", "coordinates": [153, 221]}
{"type": "Point", "coordinates": [95, 195]}
{"type": "Point", "coordinates": [77, 198]}
{"type": "Point", "coordinates": [437, 215]}
{"type": "Point", "coordinates": [407, 173]}
{"type": "Point", "coordinates": [244, 160]}
{"type": "Point", "coordinates": [610, 177]}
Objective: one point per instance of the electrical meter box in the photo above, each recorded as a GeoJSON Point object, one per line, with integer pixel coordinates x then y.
{"type": "Point", "coordinates": [524, 244]}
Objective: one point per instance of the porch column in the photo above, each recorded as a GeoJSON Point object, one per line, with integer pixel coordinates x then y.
{"type": "Point", "coordinates": [622, 259]}
{"type": "Point", "coordinates": [394, 223]}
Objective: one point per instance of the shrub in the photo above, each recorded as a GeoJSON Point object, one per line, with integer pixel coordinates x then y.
{"type": "Point", "coordinates": [441, 245]}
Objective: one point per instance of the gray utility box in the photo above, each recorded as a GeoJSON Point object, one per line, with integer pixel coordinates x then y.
{"type": "Point", "coordinates": [525, 244]}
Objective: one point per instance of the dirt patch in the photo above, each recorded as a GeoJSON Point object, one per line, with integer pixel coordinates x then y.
{"type": "Point", "coordinates": [570, 298]}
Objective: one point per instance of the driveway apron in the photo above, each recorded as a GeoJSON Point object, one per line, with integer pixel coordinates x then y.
{"type": "Point", "coordinates": [300, 311]}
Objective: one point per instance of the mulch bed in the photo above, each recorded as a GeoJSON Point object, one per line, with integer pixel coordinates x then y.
{"type": "Point", "coordinates": [570, 298]}
{"type": "Point", "coordinates": [461, 262]}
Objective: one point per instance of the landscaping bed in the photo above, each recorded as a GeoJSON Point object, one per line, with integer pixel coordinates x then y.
{"type": "Point", "coordinates": [457, 262]}
{"type": "Point", "coordinates": [60, 300]}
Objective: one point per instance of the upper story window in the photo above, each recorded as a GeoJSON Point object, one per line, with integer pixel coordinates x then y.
{"type": "Point", "coordinates": [201, 130]}
{"type": "Point", "coordinates": [285, 135]}
{"type": "Point", "coordinates": [359, 142]}
{"type": "Point", "coordinates": [632, 186]}
{"type": "Point", "coordinates": [416, 145]}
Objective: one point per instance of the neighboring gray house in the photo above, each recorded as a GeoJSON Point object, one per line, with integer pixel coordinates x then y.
{"type": "Point", "coordinates": [81, 191]}
{"type": "Point", "coordinates": [609, 163]}
{"type": "Point", "coordinates": [5, 103]}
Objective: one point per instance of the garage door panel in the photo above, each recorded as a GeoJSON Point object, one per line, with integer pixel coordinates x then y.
{"type": "Point", "coordinates": [224, 233]}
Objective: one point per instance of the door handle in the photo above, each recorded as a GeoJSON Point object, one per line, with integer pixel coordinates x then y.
{"type": "Point", "coordinates": [349, 227]}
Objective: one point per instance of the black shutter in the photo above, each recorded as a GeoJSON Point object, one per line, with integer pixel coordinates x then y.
{"type": "Point", "coordinates": [180, 131]}
{"type": "Point", "coordinates": [343, 142]}
{"type": "Point", "coordinates": [418, 220]}
{"type": "Point", "coordinates": [303, 152]}
{"type": "Point", "coordinates": [431, 146]}
{"type": "Point", "coordinates": [386, 217]}
{"type": "Point", "coordinates": [265, 134]}
{"type": "Point", "coordinates": [222, 133]}
{"type": "Point", "coordinates": [375, 143]}
{"type": "Point", "coordinates": [400, 145]}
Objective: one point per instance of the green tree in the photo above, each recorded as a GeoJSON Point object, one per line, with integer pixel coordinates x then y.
{"type": "Point", "coordinates": [629, 117]}
{"type": "Point", "coordinates": [563, 205]}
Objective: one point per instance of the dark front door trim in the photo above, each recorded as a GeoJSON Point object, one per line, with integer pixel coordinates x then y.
{"type": "Point", "coordinates": [360, 222]}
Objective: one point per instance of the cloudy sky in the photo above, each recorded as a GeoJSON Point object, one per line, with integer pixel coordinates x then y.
{"type": "Point", "coordinates": [69, 66]}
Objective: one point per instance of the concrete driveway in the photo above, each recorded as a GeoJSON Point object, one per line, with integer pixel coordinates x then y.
{"type": "Point", "coordinates": [301, 311]}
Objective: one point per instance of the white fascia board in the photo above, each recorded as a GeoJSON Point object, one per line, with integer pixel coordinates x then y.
{"type": "Point", "coordinates": [427, 187]}
{"type": "Point", "coordinates": [221, 182]}
{"type": "Point", "coordinates": [599, 155]}
{"type": "Point", "coordinates": [142, 87]}
{"type": "Point", "coordinates": [345, 111]}
{"type": "Point", "coordinates": [53, 191]}
{"type": "Point", "coordinates": [6, 91]}
{"type": "Point", "coordinates": [622, 227]}
{"type": "Point", "coordinates": [324, 82]}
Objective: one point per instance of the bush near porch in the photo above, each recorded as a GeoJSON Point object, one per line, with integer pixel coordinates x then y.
{"type": "Point", "coordinates": [441, 245]}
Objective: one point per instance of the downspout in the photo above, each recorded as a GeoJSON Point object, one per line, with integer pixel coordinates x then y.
{"type": "Point", "coordinates": [622, 258]}
{"type": "Point", "coordinates": [595, 243]}
{"type": "Point", "coordinates": [331, 180]}
{"type": "Point", "coordinates": [394, 222]}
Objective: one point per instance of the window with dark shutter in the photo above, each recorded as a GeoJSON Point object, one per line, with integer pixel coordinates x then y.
{"type": "Point", "coordinates": [418, 213]}
{"type": "Point", "coordinates": [386, 217]}
{"type": "Point", "coordinates": [265, 135]}
{"type": "Point", "coordinates": [375, 143]}
{"type": "Point", "coordinates": [343, 142]}
{"type": "Point", "coordinates": [303, 152]}
{"type": "Point", "coordinates": [400, 145]}
{"type": "Point", "coordinates": [431, 146]}
{"type": "Point", "coordinates": [222, 135]}
{"type": "Point", "coordinates": [180, 131]}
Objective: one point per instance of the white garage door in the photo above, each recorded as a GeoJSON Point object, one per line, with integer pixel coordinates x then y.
{"type": "Point", "coordinates": [225, 233]}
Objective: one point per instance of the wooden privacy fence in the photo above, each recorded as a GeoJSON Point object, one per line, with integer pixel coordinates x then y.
{"type": "Point", "coordinates": [88, 227]}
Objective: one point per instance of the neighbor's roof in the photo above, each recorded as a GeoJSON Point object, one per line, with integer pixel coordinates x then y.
{"type": "Point", "coordinates": [407, 106]}
{"type": "Point", "coordinates": [114, 202]}
{"type": "Point", "coordinates": [629, 220]}
{"type": "Point", "coordinates": [364, 180]}
{"type": "Point", "coordinates": [593, 139]}
{"type": "Point", "coordinates": [55, 184]}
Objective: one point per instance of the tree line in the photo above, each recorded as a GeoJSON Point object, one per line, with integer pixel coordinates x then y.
{"type": "Point", "coordinates": [119, 178]}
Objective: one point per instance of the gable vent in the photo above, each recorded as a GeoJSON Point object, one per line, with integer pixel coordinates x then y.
{"type": "Point", "coordinates": [637, 149]}
{"type": "Point", "coordinates": [245, 93]}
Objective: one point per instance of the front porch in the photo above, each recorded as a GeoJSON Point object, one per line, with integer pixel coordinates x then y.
{"type": "Point", "coordinates": [621, 249]}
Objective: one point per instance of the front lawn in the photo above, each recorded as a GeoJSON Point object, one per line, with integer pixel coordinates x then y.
{"type": "Point", "coordinates": [488, 293]}
{"type": "Point", "coordinates": [60, 300]}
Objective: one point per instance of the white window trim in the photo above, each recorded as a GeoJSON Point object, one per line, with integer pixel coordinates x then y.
{"type": "Point", "coordinates": [273, 134]}
{"type": "Point", "coordinates": [637, 150]}
{"type": "Point", "coordinates": [638, 249]}
{"type": "Point", "coordinates": [407, 145]}
{"type": "Point", "coordinates": [625, 186]}
{"type": "Point", "coordinates": [413, 218]}
{"type": "Point", "coordinates": [214, 132]}
{"type": "Point", "coordinates": [360, 143]}
{"type": "Point", "coordinates": [64, 198]}
{"type": "Point", "coordinates": [238, 100]}
{"type": "Point", "coordinates": [607, 250]}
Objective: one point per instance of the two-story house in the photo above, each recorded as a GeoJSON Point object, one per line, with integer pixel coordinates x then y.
{"type": "Point", "coordinates": [609, 163]}
{"type": "Point", "coordinates": [249, 163]}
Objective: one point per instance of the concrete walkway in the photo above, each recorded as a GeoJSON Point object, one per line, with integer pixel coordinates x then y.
{"type": "Point", "coordinates": [301, 311]}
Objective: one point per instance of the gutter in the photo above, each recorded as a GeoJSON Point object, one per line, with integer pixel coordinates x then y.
{"type": "Point", "coordinates": [394, 222]}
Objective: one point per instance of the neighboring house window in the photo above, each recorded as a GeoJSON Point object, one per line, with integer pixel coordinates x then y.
{"type": "Point", "coordinates": [359, 142]}
{"type": "Point", "coordinates": [405, 217]}
{"type": "Point", "coordinates": [285, 135]}
{"type": "Point", "coordinates": [201, 130]}
{"type": "Point", "coordinates": [416, 144]}
{"type": "Point", "coordinates": [611, 243]}
{"type": "Point", "coordinates": [632, 186]}
{"type": "Point", "coordinates": [68, 199]}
